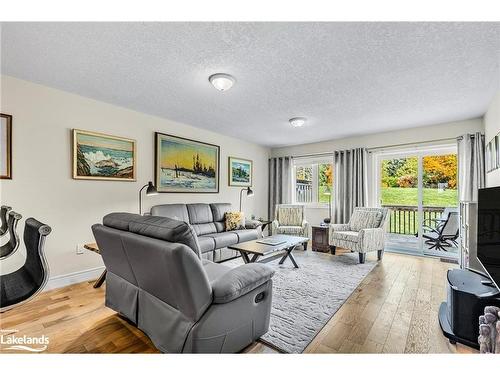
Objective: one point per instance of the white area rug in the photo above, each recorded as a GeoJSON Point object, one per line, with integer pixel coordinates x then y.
{"type": "Point", "coordinates": [304, 299]}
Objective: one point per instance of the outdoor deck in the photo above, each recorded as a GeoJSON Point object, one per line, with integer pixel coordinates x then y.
{"type": "Point", "coordinates": [410, 244]}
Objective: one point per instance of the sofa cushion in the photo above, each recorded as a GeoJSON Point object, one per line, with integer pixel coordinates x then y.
{"type": "Point", "coordinates": [199, 213]}
{"type": "Point", "coordinates": [162, 228]}
{"type": "Point", "coordinates": [206, 244]}
{"type": "Point", "coordinates": [173, 211]}
{"type": "Point", "coordinates": [246, 234]}
{"type": "Point", "coordinates": [219, 210]}
{"type": "Point", "coordinates": [120, 220]}
{"type": "Point", "coordinates": [365, 219]}
{"type": "Point", "coordinates": [206, 228]}
{"type": "Point", "coordinates": [290, 216]}
{"type": "Point", "coordinates": [224, 239]}
{"type": "Point", "coordinates": [346, 236]}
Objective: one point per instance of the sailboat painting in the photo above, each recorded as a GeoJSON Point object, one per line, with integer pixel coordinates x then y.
{"type": "Point", "coordinates": [185, 165]}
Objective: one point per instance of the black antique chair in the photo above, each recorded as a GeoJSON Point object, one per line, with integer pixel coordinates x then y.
{"type": "Point", "coordinates": [3, 219]}
{"type": "Point", "coordinates": [26, 282]}
{"type": "Point", "coordinates": [12, 245]}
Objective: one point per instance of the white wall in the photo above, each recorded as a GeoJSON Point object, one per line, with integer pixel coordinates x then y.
{"type": "Point", "coordinates": [412, 135]}
{"type": "Point", "coordinates": [492, 128]}
{"type": "Point", "coordinates": [42, 186]}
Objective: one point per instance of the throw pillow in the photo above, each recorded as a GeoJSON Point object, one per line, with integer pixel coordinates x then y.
{"type": "Point", "coordinates": [235, 220]}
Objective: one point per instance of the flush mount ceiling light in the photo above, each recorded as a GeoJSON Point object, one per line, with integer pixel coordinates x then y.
{"type": "Point", "coordinates": [222, 81]}
{"type": "Point", "coordinates": [297, 122]}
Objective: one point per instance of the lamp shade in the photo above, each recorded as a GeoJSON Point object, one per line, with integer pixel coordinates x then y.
{"type": "Point", "coordinates": [249, 192]}
{"type": "Point", "coordinates": [151, 190]}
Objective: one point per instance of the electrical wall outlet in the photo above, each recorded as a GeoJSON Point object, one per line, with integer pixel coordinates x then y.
{"type": "Point", "coordinates": [79, 249]}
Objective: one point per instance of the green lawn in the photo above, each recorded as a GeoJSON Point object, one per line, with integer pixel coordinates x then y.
{"type": "Point", "coordinates": [409, 197]}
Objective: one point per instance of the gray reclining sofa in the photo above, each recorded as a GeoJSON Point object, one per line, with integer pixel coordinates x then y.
{"type": "Point", "coordinates": [157, 279]}
{"type": "Point", "coordinates": [208, 222]}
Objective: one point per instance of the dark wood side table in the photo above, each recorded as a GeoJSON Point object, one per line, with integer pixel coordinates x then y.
{"type": "Point", "coordinates": [93, 247]}
{"type": "Point", "coordinates": [320, 238]}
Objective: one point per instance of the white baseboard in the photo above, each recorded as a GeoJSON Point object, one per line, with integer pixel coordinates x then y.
{"type": "Point", "coordinates": [73, 278]}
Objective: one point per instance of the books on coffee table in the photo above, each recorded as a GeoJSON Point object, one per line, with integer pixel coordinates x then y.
{"type": "Point", "coordinates": [271, 241]}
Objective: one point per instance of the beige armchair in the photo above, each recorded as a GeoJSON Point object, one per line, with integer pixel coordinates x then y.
{"type": "Point", "coordinates": [290, 219]}
{"type": "Point", "coordinates": [365, 232]}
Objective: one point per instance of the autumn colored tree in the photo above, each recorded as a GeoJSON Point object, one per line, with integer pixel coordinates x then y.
{"type": "Point", "coordinates": [436, 169]}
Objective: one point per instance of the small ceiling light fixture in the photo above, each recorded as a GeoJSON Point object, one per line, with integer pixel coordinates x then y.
{"type": "Point", "coordinates": [222, 81]}
{"type": "Point", "coordinates": [297, 122]}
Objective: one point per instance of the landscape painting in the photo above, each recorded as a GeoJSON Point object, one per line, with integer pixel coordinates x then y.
{"type": "Point", "coordinates": [240, 172]}
{"type": "Point", "coordinates": [186, 166]}
{"type": "Point", "coordinates": [103, 157]}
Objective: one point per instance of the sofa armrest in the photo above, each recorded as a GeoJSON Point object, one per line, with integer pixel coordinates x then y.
{"type": "Point", "coordinates": [252, 224]}
{"type": "Point", "coordinates": [239, 281]}
{"type": "Point", "coordinates": [372, 239]}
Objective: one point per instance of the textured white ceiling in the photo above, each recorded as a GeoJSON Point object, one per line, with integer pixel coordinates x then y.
{"type": "Point", "coordinates": [346, 78]}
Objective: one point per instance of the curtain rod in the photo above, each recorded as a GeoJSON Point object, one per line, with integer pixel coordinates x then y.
{"type": "Point", "coordinates": [370, 149]}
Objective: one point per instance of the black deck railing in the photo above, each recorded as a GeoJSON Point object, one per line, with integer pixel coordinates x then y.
{"type": "Point", "coordinates": [405, 219]}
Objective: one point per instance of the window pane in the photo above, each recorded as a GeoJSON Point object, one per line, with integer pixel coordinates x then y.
{"type": "Point", "coordinates": [325, 182]}
{"type": "Point", "coordinates": [303, 184]}
{"type": "Point", "coordinates": [440, 181]}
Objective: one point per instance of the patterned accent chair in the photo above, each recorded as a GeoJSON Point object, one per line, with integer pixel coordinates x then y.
{"type": "Point", "coordinates": [365, 232]}
{"type": "Point", "coordinates": [291, 219]}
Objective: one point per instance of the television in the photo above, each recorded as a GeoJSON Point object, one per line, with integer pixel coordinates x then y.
{"type": "Point", "coordinates": [488, 232]}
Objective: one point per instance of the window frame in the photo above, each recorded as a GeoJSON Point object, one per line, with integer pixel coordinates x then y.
{"type": "Point", "coordinates": [314, 163]}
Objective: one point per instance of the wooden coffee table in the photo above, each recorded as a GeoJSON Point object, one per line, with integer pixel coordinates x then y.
{"type": "Point", "coordinates": [258, 250]}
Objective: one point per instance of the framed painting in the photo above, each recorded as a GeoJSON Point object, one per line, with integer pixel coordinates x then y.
{"type": "Point", "coordinates": [488, 157]}
{"type": "Point", "coordinates": [497, 149]}
{"type": "Point", "coordinates": [99, 156]}
{"type": "Point", "coordinates": [240, 172]}
{"type": "Point", "coordinates": [5, 146]}
{"type": "Point", "coordinates": [185, 166]}
{"type": "Point", "coordinates": [493, 155]}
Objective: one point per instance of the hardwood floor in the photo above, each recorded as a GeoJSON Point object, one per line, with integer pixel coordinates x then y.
{"type": "Point", "coordinates": [394, 310]}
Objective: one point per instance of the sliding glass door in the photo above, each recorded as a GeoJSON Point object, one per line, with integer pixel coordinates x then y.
{"type": "Point", "coordinates": [419, 187]}
{"type": "Point", "coordinates": [399, 193]}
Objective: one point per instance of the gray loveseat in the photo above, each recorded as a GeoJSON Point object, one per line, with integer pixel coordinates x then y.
{"type": "Point", "coordinates": [157, 279]}
{"type": "Point", "coordinates": [208, 223]}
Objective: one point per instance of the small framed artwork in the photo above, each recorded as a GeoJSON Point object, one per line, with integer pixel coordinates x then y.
{"type": "Point", "coordinates": [240, 172]}
{"type": "Point", "coordinates": [493, 155]}
{"type": "Point", "coordinates": [99, 156]}
{"type": "Point", "coordinates": [185, 165]}
{"type": "Point", "coordinates": [488, 157]}
{"type": "Point", "coordinates": [5, 146]}
{"type": "Point", "coordinates": [497, 154]}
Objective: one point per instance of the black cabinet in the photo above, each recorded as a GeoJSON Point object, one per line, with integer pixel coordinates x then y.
{"type": "Point", "coordinates": [468, 293]}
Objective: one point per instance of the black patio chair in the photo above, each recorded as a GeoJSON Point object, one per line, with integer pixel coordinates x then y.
{"type": "Point", "coordinates": [4, 227]}
{"type": "Point", "coordinates": [25, 283]}
{"type": "Point", "coordinates": [445, 235]}
{"type": "Point", "coordinates": [11, 246]}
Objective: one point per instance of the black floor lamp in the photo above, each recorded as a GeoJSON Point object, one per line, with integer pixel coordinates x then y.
{"type": "Point", "coordinates": [151, 190]}
{"type": "Point", "coordinates": [249, 194]}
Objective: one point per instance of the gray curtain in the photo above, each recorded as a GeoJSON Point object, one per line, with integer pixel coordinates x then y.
{"type": "Point", "coordinates": [471, 167]}
{"type": "Point", "coordinates": [280, 182]}
{"type": "Point", "coordinates": [349, 183]}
